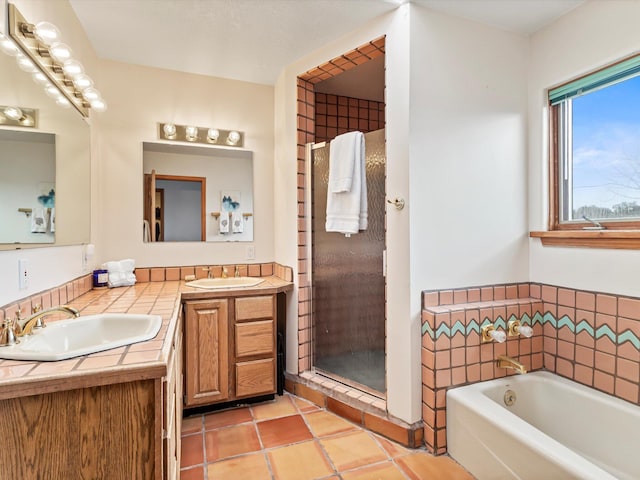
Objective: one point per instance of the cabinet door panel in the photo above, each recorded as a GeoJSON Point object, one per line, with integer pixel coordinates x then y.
{"type": "Point", "coordinates": [207, 355]}
{"type": "Point", "coordinates": [254, 338]}
{"type": "Point", "coordinates": [255, 378]}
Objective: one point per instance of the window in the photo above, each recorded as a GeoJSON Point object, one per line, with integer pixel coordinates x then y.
{"type": "Point", "coordinates": [595, 132]}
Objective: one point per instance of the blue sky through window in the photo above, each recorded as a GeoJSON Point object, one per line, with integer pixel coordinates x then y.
{"type": "Point", "coordinates": [606, 146]}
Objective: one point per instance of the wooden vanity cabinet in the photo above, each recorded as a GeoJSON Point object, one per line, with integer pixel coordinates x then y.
{"type": "Point", "coordinates": [230, 349]}
{"type": "Point", "coordinates": [172, 409]}
{"type": "Point", "coordinates": [206, 333]}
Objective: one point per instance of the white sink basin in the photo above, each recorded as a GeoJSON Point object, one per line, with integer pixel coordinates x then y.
{"type": "Point", "coordinates": [84, 335]}
{"type": "Point", "coordinates": [231, 282]}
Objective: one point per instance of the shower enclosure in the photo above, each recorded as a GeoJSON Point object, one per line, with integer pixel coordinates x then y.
{"type": "Point", "coordinates": [347, 278]}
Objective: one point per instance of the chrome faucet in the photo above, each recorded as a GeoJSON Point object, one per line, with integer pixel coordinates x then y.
{"type": "Point", "coordinates": [507, 362]}
{"type": "Point", "coordinates": [26, 326]}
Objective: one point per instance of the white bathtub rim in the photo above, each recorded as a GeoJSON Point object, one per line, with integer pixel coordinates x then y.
{"type": "Point", "coordinates": [473, 398]}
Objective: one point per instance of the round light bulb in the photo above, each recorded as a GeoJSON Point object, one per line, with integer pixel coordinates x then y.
{"type": "Point", "coordinates": [169, 130]}
{"type": "Point", "coordinates": [72, 67]}
{"type": "Point", "coordinates": [191, 133]}
{"type": "Point", "coordinates": [52, 91]}
{"type": "Point", "coordinates": [233, 137]}
{"type": "Point", "coordinates": [213, 134]}
{"type": "Point", "coordinates": [41, 79]}
{"type": "Point", "coordinates": [63, 102]}
{"type": "Point", "coordinates": [25, 64]}
{"type": "Point", "coordinates": [27, 121]}
{"type": "Point", "coordinates": [99, 105]}
{"type": "Point", "coordinates": [90, 94]}
{"type": "Point", "coordinates": [60, 52]}
{"type": "Point", "coordinates": [13, 113]}
{"type": "Point", "coordinates": [82, 81]}
{"type": "Point", "coordinates": [46, 33]}
{"type": "Point", "coordinates": [8, 47]}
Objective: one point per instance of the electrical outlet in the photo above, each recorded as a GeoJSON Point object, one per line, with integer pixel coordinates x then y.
{"type": "Point", "coordinates": [23, 271]}
{"type": "Point", "coordinates": [251, 252]}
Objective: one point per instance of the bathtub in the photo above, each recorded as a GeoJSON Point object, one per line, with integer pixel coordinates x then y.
{"type": "Point", "coordinates": [555, 429]}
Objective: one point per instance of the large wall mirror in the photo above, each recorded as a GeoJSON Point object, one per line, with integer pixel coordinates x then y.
{"type": "Point", "coordinates": [45, 172]}
{"type": "Point", "coordinates": [197, 194]}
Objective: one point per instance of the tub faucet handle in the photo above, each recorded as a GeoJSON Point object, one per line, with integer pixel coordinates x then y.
{"type": "Point", "coordinates": [515, 328]}
{"type": "Point", "coordinates": [490, 334]}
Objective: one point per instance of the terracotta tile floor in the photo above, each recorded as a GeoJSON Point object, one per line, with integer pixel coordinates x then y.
{"type": "Point", "coordinates": [292, 439]}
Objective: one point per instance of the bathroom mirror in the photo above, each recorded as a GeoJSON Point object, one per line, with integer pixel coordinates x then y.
{"type": "Point", "coordinates": [197, 193]}
{"type": "Point", "coordinates": [63, 136]}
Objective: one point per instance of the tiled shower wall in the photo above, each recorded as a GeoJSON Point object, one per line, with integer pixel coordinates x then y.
{"type": "Point", "coordinates": [307, 133]}
{"type": "Point", "coordinates": [590, 337]}
{"type": "Point", "coordinates": [337, 114]}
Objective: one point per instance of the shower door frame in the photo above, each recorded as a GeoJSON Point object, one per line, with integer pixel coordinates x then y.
{"type": "Point", "coordinates": [309, 148]}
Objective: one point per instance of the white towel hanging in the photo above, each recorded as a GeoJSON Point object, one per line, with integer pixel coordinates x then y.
{"type": "Point", "coordinates": [223, 222]}
{"type": "Point", "coordinates": [237, 222]}
{"type": "Point", "coordinates": [38, 220]}
{"type": "Point", "coordinates": [347, 209]}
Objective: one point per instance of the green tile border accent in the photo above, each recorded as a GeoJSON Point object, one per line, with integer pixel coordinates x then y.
{"type": "Point", "coordinates": [525, 319]}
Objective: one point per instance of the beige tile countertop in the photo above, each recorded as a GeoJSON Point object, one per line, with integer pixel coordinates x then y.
{"type": "Point", "coordinates": [144, 360]}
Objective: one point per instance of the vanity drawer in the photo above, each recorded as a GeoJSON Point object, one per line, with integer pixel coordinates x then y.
{"type": "Point", "coordinates": [254, 338]}
{"type": "Point", "coordinates": [249, 308]}
{"type": "Point", "coordinates": [257, 377]}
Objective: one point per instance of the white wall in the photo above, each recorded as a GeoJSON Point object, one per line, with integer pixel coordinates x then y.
{"type": "Point", "coordinates": [591, 36]}
{"type": "Point", "coordinates": [139, 98]}
{"type": "Point", "coordinates": [468, 153]}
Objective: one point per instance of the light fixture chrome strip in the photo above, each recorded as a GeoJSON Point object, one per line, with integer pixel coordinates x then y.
{"type": "Point", "coordinates": [49, 59]}
{"type": "Point", "coordinates": [203, 135]}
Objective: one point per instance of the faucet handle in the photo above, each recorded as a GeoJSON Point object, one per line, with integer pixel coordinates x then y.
{"type": "Point", "coordinates": [8, 334]}
{"type": "Point", "coordinates": [36, 308]}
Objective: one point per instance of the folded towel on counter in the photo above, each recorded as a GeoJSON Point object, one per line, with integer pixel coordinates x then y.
{"type": "Point", "coordinates": [38, 220]}
{"type": "Point", "coordinates": [347, 209]}
{"type": "Point", "coordinates": [237, 222]}
{"type": "Point", "coordinates": [223, 221]}
{"type": "Point", "coordinates": [120, 273]}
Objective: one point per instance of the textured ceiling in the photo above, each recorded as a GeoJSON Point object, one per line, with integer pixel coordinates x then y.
{"type": "Point", "coordinates": [253, 40]}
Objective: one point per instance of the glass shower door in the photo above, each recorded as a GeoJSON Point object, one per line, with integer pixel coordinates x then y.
{"type": "Point", "coordinates": [347, 279]}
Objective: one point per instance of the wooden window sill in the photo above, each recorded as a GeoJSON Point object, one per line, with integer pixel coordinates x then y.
{"type": "Point", "coordinates": [620, 239]}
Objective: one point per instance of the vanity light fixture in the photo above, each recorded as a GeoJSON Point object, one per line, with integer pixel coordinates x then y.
{"type": "Point", "coordinates": [62, 76]}
{"type": "Point", "coordinates": [207, 136]}
{"type": "Point", "coordinates": [18, 116]}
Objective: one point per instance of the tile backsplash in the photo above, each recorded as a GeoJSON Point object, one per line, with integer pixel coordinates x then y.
{"type": "Point", "coordinates": [590, 337]}
{"type": "Point", "coordinates": [67, 292]}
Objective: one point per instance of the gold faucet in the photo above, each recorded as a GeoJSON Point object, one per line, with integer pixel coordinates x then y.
{"type": "Point", "coordinates": [8, 333]}
{"type": "Point", "coordinates": [225, 273]}
{"type": "Point", "coordinates": [507, 362]}
{"type": "Point", "coordinates": [209, 271]}
{"type": "Point", "coordinates": [27, 325]}
{"type": "Point", "coordinates": [237, 272]}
